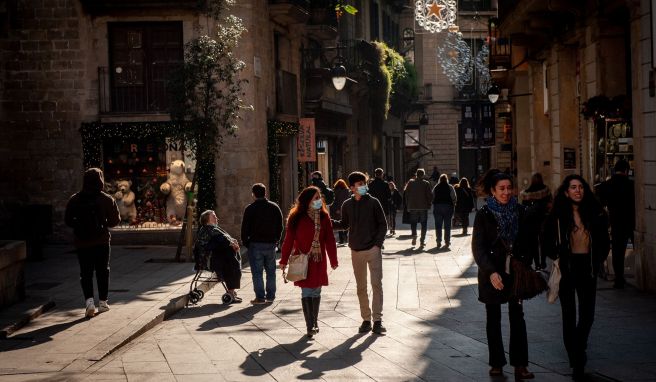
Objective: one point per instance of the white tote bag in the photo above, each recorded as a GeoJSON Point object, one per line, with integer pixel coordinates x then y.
{"type": "Point", "coordinates": [554, 277]}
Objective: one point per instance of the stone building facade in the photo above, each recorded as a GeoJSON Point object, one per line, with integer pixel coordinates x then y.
{"type": "Point", "coordinates": [70, 65]}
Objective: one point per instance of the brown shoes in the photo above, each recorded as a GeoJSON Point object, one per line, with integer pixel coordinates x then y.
{"type": "Point", "coordinates": [496, 372]}
{"type": "Point", "coordinates": [523, 373]}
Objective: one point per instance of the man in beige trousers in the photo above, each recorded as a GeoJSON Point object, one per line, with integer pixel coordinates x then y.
{"type": "Point", "coordinates": [364, 218]}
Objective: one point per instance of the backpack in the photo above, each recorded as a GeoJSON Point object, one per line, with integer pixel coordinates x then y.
{"type": "Point", "coordinates": [89, 221]}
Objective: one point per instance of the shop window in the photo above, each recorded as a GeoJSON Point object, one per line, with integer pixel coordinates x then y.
{"type": "Point", "coordinates": [142, 57]}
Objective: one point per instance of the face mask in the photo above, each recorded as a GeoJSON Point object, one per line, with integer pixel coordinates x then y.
{"type": "Point", "coordinates": [316, 204]}
{"type": "Point", "coordinates": [362, 190]}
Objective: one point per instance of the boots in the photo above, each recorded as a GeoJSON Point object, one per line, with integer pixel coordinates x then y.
{"type": "Point", "coordinates": [308, 314]}
{"type": "Point", "coordinates": [315, 312]}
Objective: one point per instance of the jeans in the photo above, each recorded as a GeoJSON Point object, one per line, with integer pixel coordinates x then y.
{"type": "Point", "coordinates": [518, 341]}
{"type": "Point", "coordinates": [577, 280]}
{"type": "Point", "coordinates": [418, 216]}
{"type": "Point", "coordinates": [94, 259]}
{"type": "Point", "coordinates": [443, 213]}
{"type": "Point", "coordinates": [262, 257]}
{"type": "Point", "coordinates": [310, 292]}
{"type": "Point", "coordinates": [619, 241]}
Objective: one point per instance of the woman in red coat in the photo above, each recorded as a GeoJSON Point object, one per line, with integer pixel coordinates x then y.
{"type": "Point", "coordinates": [309, 230]}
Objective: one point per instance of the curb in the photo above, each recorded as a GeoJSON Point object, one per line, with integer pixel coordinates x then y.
{"type": "Point", "coordinates": [26, 319]}
{"type": "Point", "coordinates": [136, 329]}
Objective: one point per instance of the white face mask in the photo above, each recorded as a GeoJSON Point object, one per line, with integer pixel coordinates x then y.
{"type": "Point", "coordinates": [316, 204]}
{"type": "Point", "coordinates": [362, 190]}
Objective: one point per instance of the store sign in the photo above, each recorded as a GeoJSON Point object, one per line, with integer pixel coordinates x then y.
{"type": "Point", "coordinates": [306, 141]}
{"type": "Point", "coordinates": [411, 137]}
{"type": "Point", "coordinates": [569, 158]}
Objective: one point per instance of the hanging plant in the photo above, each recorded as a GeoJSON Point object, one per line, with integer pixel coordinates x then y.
{"type": "Point", "coordinates": [392, 75]}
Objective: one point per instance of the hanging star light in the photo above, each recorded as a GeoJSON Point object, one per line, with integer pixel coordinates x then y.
{"type": "Point", "coordinates": [483, 71]}
{"type": "Point", "coordinates": [456, 59]}
{"type": "Point", "coordinates": [435, 15]}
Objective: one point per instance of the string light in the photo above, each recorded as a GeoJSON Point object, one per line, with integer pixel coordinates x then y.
{"type": "Point", "coordinates": [456, 59]}
{"type": "Point", "coordinates": [482, 68]}
{"type": "Point", "coordinates": [435, 15]}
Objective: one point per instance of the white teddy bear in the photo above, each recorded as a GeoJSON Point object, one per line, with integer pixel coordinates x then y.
{"type": "Point", "coordinates": [176, 187]}
{"type": "Point", "coordinates": [125, 201]}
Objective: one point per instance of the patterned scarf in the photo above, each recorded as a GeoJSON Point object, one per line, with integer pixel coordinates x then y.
{"type": "Point", "coordinates": [507, 217]}
{"type": "Point", "coordinates": [315, 251]}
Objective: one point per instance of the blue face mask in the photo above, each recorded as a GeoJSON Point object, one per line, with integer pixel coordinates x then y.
{"type": "Point", "coordinates": [362, 190]}
{"type": "Point", "coordinates": [316, 204]}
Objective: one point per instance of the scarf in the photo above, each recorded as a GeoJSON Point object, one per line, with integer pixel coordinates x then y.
{"type": "Point", "coordinates": [507, 217]}
{"type": "Point", "coordinates": [315, 251]}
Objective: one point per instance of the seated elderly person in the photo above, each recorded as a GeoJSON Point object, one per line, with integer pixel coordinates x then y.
{"type": "Point", "coordinates": [225, 259]}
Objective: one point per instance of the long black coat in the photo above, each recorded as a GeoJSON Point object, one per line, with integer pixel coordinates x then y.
{"type": "Point", "coordinates": [224, 261]}
{"type": "Point", "coordinates": [490, 254]}
{"type": "Point", "coordinates": [555, 248]}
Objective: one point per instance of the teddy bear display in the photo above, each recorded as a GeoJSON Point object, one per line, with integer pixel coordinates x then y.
{"type": "Point", "coordinates": [150, 211]}
{"type": "Point", "coordinates": [125, 201]}
{"type": "Point", "coordinates": [176, 186]}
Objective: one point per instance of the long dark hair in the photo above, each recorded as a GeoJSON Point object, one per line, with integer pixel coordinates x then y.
{"type": "Point", "coordinates": [300, 208]}
{"type": "Point", "coordinates": [489, 180]}
{"type": "Point", "coordinates": [589, 207]}
{"type": "Point", "coordinates": [464, 183]}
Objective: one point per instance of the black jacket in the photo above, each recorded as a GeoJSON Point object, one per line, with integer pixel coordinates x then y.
{"type": "Point", "coordinates": [108, 212]}
{"type": "Point", "coordinates": [556, 247]}
{"type": "Point", "coordinates": [365, 221]}
{"type": "Point", "coordinates": [464, 199]}
{"type": "Point", "coordinates": [262, 222]}
{"type": "Point", "coordinates": [490, 254]}
{"type": "Point", "coordinates": [618, 194]}
{"type": "Point", "coordinates": [379, 189]}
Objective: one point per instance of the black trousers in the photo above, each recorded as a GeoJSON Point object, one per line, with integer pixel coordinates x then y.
{"type": "Point", "coordinates": [94, 259]}
{"type": "Point", "coordinates": [619, 241]}
{"type": "Point", "coordinates": [518, 340]}
{"type": "Point", "coordinates": [577, 281]}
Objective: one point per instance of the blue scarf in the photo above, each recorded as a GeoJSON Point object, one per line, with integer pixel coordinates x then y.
{"type": "Point", "coordinates": [507, 217]}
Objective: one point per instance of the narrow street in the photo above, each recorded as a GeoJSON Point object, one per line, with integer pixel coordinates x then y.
{"type": "Point", "coordinates": [436, 331]}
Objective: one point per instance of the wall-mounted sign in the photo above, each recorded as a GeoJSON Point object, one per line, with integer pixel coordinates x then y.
{"type": "Point", "coordinates": [569, 158]}
{"type": "Point", "coordinates": [411, 137]}
{"type": "Point", "coordinates": [306, 141]}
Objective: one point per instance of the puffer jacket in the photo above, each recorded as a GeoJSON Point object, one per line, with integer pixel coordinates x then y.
{"type": "Point", "coordinates": [490, 254]}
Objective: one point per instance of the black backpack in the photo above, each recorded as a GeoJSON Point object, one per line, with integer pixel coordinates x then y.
{"type": "Point", "coordinates": [89, 220]}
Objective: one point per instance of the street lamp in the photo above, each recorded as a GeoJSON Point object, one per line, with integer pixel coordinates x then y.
{"type": "Point", "coordinates": [493, 94]}
{"type": "Point", "coordinates": [338, 74]}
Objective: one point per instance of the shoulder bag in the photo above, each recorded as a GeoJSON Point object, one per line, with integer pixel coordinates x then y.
{"type": "Point", "coordinates": [554, 277]}
{"type": "Point", "coordinates": [297, 266]}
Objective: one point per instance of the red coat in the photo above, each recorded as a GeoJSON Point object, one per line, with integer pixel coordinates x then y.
{"type": "Point", "coordinates": [301, 238]}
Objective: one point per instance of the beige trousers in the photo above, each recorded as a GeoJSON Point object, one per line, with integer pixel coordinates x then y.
{"type": "Point", "coordinates": [373, 258]}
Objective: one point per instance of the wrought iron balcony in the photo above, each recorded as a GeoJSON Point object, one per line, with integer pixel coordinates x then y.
{"type": "Point", "coordinates": [127, 91]}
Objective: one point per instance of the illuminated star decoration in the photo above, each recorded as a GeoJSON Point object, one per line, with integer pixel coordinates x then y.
{"type": "Point", "coordinates": [435, 15]}
{"type": "Point", "coordinates": [455, 57]}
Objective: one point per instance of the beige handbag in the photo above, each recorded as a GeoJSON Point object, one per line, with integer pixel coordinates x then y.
{"type": "Point", "coordinates": [554, 277]}
{"type": "Point", "coordinates": [297, 266]}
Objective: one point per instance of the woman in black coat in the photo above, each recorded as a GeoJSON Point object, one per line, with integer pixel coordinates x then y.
{"type": "Point", "coordinates": [497, 232]}
{"type": "Point", "coordinates": [464, 203]}
{"type": "Point", "coordinates": [225, 259]}
{"type": "Point", "coordinates": [576, 231]}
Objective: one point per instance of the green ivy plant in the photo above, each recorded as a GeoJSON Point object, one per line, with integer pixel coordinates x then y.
{"type": "Point", "coordinates": [393, 75]}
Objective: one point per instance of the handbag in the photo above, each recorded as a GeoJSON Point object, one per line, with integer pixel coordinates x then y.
{"type": "Point", "coordinates": [554, 282]}
{"type": "Point", "coordinates": [554, 277]}
{"type": "Point", "coordinates": [526, 282]}
{"type": "Point", "coordinates": [297, 266]}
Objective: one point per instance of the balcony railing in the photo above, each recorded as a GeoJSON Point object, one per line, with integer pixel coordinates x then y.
{"type": "Point", "coordinates": [286, 94]}
{"type": "Point", "coordinates": [127, 92]}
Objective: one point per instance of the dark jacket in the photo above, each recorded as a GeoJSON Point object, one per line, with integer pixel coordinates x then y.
{"type": "Point", "coordinates": [341, 195]}
{"type": "Point", "coordinates": [379, 189]}
{"type": "Point", "coordinates": [443, 193]}
{"type": "Point", "coordinates": [490, 254]}
{"type": "Point", "coordinates": [559, 247]}
{"type": "Point", "coordinates": [365, 221]}
{"type": "Point", "coordinates": [537, 201]}
{"type": "Point", "coordinates": [396, 201]}
{"type": "Point", "coordinates": [224, 260]}
{"type": "Point", "coordinates": [418, 195]}
{"type": "Point", "coordinates": [262, 222]}
{"type": "Point", "coordinates": [107, 210]}
{"type": "Point", "coordinates": [464, 199]}
{"type": "Point", "coordinates": [618, 194]}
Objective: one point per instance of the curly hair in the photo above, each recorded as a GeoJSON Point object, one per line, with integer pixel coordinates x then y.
{"type": "Point", "coordinates": [562, 205]}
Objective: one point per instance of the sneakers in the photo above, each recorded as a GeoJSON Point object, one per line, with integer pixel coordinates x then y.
{"type": "Point", "coordinates": [365, 327]}
{"type": "Point", "coordinates": [258, 301]}
{"type": "Point", "coordinates": [378, 327]}
{"type": "Point", "coordinates": [103, 306]}
{"type": "Point", "coordinates": [91, 308]}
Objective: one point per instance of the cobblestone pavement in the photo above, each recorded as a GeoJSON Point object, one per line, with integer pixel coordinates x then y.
{"type": "Point", "coordinates": [436, 331]}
